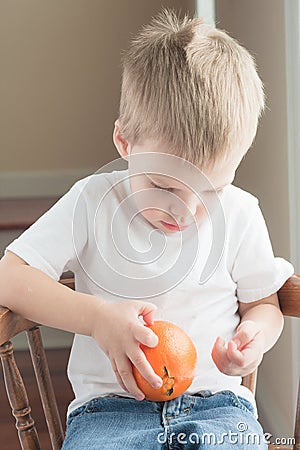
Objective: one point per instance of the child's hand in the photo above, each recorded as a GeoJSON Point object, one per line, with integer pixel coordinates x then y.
{"type": "Point", "coordinates": [118, 330]}
{"type": "Point", "coordinates": [243, 353]}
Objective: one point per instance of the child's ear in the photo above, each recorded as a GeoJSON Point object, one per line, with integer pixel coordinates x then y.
{"type": "Point", "coordinates": [121, 144]}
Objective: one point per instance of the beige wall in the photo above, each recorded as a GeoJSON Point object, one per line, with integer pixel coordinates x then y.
{"type": "Point", "coordinates": [60, 79]}
{"type": "Point", "coordinates": [265, 169]}
{"type": "Point", "coordinates": [260, 26]}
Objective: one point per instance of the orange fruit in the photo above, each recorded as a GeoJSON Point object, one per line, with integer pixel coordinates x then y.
{"type": "Point", "coordinates": [173, 359]}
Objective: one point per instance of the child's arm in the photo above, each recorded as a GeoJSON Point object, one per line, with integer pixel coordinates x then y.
{"type": "Point", "coordinates": [260, 327]}
{"type": "Point", "coordinates": [115, 326]}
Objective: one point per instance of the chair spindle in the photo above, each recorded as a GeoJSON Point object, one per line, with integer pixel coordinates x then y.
{"type": "Point", "coordinates": [18, 399]}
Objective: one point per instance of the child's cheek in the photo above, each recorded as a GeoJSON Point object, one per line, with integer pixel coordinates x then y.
{"type": "Point", "coordinates": [201, 213]}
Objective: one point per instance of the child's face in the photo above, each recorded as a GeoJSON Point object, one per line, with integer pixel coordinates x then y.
{"type": "Point", "coordinates": [172, 204]}
{"type": "Point", "coordinates": [171, 194]}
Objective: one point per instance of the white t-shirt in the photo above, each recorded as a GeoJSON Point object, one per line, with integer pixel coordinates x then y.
{"type": "Point", "coordinates": [117, 255]}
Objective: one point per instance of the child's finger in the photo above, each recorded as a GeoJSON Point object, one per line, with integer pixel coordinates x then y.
{"type": "Point", "coordinates": [140, 361]}
{"type": "Point", "coordinates": [219, 354]}
{"type": "Point", "coordinates": [147, 311]}
{"type": "Point", "coordinates": [253, 352]}
{"type": "Point", "coordinates": [219, 346]}
{"type": "Point", "coordinates": [246, 332]}
{"type": "Point", "coordinates": [234, 354]}
{"type": "Point", "coordinates": [125, 377]}
{"type": "Point", "coordinates": [119, 379]}
{"type": "Point", "coordinates": [145, 335]}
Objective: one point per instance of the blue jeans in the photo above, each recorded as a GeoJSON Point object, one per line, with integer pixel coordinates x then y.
{"type": "Point", "coordinates": [201, 421]}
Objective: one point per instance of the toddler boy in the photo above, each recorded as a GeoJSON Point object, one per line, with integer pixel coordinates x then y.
{"type": "Point", "coordinates": [167, 238]}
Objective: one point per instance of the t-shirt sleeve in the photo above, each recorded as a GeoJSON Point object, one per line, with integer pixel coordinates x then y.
{"type": "Point", "coordinates": [256, 271]}
{"type": "Point", "coordinates": [54, 242]}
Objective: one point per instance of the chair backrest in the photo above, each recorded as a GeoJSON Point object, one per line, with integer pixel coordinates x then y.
{"type": "Point", "coordinates": [12, 324]}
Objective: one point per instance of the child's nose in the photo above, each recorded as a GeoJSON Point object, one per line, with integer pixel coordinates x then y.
{"type": "Point", "coordinates": [184, 206]}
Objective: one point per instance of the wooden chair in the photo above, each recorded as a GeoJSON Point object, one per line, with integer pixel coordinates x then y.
{"type": "Point", "coordinates": [11, 324]}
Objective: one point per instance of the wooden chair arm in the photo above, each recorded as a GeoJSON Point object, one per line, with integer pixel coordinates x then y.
{"type": "Point", "coordinates": [12, 324]}
{"type": "Point", "coordinates": [289, 297]}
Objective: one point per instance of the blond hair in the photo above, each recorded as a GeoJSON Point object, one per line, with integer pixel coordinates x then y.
{"type": "Point", "coordinates": [190, 86]}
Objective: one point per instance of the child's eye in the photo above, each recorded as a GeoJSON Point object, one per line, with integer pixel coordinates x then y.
{"type": "Point", "coordinates": [159, 187]}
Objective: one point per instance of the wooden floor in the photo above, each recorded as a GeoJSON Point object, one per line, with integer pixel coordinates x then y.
{"type": "Point", "coordinates": [57, 360]}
